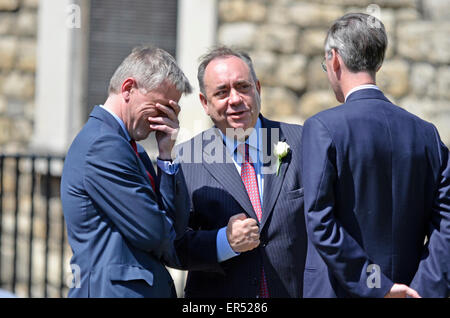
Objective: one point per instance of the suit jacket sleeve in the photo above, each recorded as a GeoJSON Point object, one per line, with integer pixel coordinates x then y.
{"type": "Point", "coordinates": [345, 258]}
{"type": "Point", "coordinates": [433, 275]}
{"type": "Point", "coordinates": [119, 190]}
{"type": "Point", "coordinates": [197, 248]}
{"type": "Point", "coordinates": [175, 201]}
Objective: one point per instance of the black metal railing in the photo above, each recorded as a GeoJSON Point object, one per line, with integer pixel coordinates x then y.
{"type": "Point", "coordinates": [34, 252]}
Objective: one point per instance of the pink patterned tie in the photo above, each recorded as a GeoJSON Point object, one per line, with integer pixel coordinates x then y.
{"type": "Point", "coordinates": [248, 176]}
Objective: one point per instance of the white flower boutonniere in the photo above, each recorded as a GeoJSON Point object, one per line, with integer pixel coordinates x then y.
{"type": "Point", "coordinates": [281, 150]}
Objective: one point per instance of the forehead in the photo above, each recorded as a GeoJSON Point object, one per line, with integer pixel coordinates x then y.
{"type": "Point", "coordinates": [226, 69]}
{"type": "Point", "coordinates": [163, 93]}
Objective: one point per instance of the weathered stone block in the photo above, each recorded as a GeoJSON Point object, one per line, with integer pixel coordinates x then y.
{"type": "Point", "coordinates": [7, 22]}
{"type": "Point", "coordinates": [313, 102]}
{"type": "Point", "coordinates": [278, 101]}
{"type": "Point", "coordinates": [277, 13]}
{"type": "Point", "coordinates": [8, 51]}
{"type": "Point", "coordinates": [316, 77]}
{"type": "Point", "coordinates": [278, 38]}
{"type": "Point", "coordinates": [423, 80]}
{"type": "Point", "coordinates": [30, 4]}
{"type": "Point", "coordinates": [19, 86]}
{"type": "Point", "coordinates": [312, 41]}
{"type": "Point", "coordinates": [241, 10]}
{"type": "Point", "coordinates": [9, 5]}
{"type": "Point", "coordinates": [436, 9]}
{"type": "Point", "coordinates": [396, 3]}
{"type": "Point", "coordinates": [2, 105]}
{"type": "Point", "coordinates": [307, 14]}
{"type": "Point", "coordinates": [241, 35]}
{"type": "Point", "coordinates": [291, 71]}
{"type": "Point", "coordinates": [26, 23]}
{"type": "Point", "coordinates": [346, 2]}
{"type": "Point", "coordinates": [23, 130]}
{"type": "Point", "coordinates": [407, 15]}
{"type": "Point", "coordinates": [15, 108]}
{"type": "Point", "coordinates": [265, 63]}
{"type": "Point", "coordinates": [424, 41]}
{"type": "Point", "coordinates": [443, 83]}
{"type": "Point", "coordinates": [5, 131]}
{"type": "Point", "coordinates": [393, 77]}
{"type": "Point", "coordinates": [26, 57]}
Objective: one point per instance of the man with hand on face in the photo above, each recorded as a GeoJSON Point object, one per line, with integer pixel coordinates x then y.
{"type": "Point", "coordinates": [122, 218]}
{"type": "Point", "coordinates": [246, 235]}
{"type": "Point", "coordinates": [377, 182]}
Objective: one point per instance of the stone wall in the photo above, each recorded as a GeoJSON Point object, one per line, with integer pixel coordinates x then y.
{"type": "Point", "coordinates": [285, 39]}
{"type": "Point", "coordinates": [18, 33]}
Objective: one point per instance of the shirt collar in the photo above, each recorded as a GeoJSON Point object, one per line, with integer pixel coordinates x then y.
{"type": "Point", "coordinates": [120, 121]}
{"type": "Point", "coordinates": [253, 140]}
{"type": "Point", "coordinates": [360, 87]}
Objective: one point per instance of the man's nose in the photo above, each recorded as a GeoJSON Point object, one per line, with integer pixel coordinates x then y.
{"type": "Point", "coordinates": [235, 97]}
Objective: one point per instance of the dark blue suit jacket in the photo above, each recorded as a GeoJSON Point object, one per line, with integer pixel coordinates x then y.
{"type": "Point", "coordinates": [116, 224]}
{"type": "Point", "coordinates": [377, 183]}
{"type": "Point", "coordinates": [217, 193]}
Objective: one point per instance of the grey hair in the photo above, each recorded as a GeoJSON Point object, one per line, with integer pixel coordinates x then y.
{"type": "Point", "coordinates": [361, 41]}
{"type": "Point", "coordinates": [222, 52]}
{"type": "Point", "coordinates": [150, 67]}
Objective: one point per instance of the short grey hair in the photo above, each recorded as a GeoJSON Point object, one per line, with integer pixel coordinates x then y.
{"type": "Point", "coordinates": [222, 52]}
{"type": "Point", "coordinates": [361, 41]}
{"type": "Point", "coordinates": [150, 67]}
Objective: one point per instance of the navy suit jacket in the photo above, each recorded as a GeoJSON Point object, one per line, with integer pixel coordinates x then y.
{"type": "Point", "coordinates": [116, 224]}
{"type": "Point", "coordinates": [377, 183]}
{"type": "Point", "coordinates": [217, 193]}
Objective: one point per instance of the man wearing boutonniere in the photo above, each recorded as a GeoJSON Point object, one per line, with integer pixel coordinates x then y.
{"type": "Point", "coordinates": [246, 236]}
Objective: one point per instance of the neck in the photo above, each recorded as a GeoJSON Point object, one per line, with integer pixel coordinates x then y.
{"type": "Point", "coordinates": [352, 80]}
{"type": "Point", "coordinates": [113, 104]}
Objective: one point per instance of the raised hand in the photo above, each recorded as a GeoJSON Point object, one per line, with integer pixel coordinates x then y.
{"type": "Point", "coordinates": [166, 127]}
{"type": "Point", "coordinates": [242, 233]}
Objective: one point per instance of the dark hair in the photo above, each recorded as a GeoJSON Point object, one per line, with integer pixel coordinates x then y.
{"type": "Point", "coordinates": [361, 41]}
{"type": "Point", "coordinates": [221, 52]}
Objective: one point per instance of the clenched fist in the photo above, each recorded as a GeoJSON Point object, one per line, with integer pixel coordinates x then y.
{"type": "Point", "coordinates": [242, 233]}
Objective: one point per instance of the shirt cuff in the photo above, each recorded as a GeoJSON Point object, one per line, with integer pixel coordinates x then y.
{"type": "Point", "coordinates": [167, 166]}
{"type": "Point", "coordinates": [224, 250]}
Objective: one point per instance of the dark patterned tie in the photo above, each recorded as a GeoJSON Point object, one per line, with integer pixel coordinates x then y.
{"type": "Point", "coordinates": [152, 181]}
{"type": "Point", "coordinates": [248, 176]}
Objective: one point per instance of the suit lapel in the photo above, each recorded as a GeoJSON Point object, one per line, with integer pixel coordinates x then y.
{"type": "Point", "coordinates": [103, 115]}
{"type": "Point", "coordinates": [272, 181]}
{"type": "Point", "coordinates": [223, 170]}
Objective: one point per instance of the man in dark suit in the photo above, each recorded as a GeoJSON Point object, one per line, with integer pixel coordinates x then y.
{"type": "Point", "coordinates": [247, 236]}
{"type": "Point", "coordinates": [377, 182]}
{"type": "Point", "coordinates": [122, 218]}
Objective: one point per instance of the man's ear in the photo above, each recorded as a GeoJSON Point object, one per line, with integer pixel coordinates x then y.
{"type": "Point", "coordinates": [127, 86]}
{"type": "Point", "coordinates": [336, 61]}
{"type": "Point", "coordinates": [258, 87]}
{"type": "Point", "coordinates": [204, 102]}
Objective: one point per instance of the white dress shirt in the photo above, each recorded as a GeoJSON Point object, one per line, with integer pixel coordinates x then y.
{"type": "Point", "coordinates": [360, 87]}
